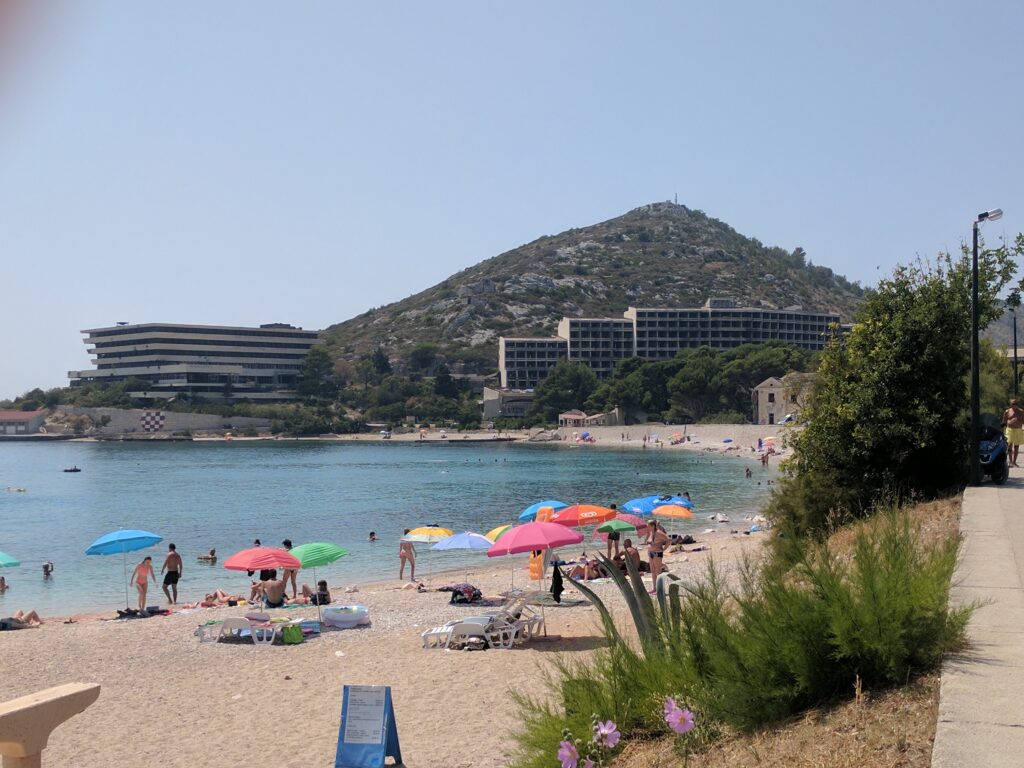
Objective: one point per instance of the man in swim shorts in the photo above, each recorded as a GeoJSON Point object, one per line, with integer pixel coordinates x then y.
{"type": "Point", "coordinates": [273, 593]}
{"type": "Point", "coordinates": [173, 568]}
{"type": "Point", "coordinates": [1013, 424]}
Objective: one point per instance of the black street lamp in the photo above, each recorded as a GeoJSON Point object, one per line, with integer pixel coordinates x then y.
{"type": "Point", "coordinates": [1013, 301]}
{"type": "Point", "coordinates": [975, 441]}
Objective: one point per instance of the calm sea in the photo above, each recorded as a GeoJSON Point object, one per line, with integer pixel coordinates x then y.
{"type": "Point", "coordinates": [223, 495]}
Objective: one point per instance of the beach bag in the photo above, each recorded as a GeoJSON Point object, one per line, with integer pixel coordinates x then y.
{"type": "Point", "coordinates": [292, 635]}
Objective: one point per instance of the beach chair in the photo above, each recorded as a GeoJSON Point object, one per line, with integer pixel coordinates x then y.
{"type": "Point", "coordinates": [504, 634]}
{"type": "Point", "coordinates": [234, 627]}
{"type": "Point", "coordinates": [464, 631]}
{"type": "Point", "coordinates": [441, 637]}
{"type": "Point", "coordinates": [209, 632]}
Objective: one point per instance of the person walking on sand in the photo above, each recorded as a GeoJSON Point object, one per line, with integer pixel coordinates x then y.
{"type": "Point", "coordinates": [1013, 424]}
{"type": "Point", "coordinates": [140, 579]}
{"type": "Point", "coordinates": [657, 541]}
{"type": "Point", "coordinates": [172, 570]}
{"type": "Point", "coordinates": [406, 552]}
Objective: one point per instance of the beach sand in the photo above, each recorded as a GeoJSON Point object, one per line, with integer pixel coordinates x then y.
{"type": "Point", "coordinates": [166, 699]}
{"type": "Point", "coordinates": [733, 440]}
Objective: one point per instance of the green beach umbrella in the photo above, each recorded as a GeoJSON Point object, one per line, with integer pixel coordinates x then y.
{"type": "Point", "coordinates": [6, 561]}
{"type": "Point", "coordinates": [615, 525]}
{"type": "Point", "coordinates": [315, 554]}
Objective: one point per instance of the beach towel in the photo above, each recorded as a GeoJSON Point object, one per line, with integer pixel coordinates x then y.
{"type": "Point", "coordinates": [462, 593]}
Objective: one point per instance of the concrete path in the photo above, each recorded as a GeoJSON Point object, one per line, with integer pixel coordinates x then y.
{"type": "Point", "coordinates": [981, 705]}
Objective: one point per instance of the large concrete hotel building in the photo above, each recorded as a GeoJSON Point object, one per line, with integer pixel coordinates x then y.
{"type": "Point", "coordinates": [211, 362]}
{"type": "Point", "coordinates": [657, 334]}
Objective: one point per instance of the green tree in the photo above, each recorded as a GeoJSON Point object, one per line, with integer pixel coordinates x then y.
{"type": "Point", "coordinates": [889, 417]}
{"type": "Point", "coordinates": [381, 363]}
{"type": "Point", "coordinates": [315, 378]}
{"type": "Point", "coordinates": [423, 357]}
{"type": "Point", "coordinates": [567, 386]}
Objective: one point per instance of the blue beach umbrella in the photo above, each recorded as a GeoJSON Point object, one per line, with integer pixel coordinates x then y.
{"type": "Point", "coordinates": [121, 542]}
{"type": "Point", "coordinates": [467, 540]}
{"type": "Point", "coordinates": [530, 513]}
{"type": "Point", "coordinates": [645, 505]}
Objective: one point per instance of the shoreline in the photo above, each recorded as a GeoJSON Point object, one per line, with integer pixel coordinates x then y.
{"type": "Point", "coordinates": [155, 673]}
{"type": "Point", "coordinates": [516, 567]}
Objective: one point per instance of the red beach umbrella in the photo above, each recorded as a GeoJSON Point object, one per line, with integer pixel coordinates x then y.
{"type": "Point", "coordinates": [262, 559]}
{"type": "Point", "coordinates": [583, 514]}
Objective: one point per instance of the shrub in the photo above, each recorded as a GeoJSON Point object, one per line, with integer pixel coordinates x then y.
{"type": "Point", "coordinates": [783, 640]}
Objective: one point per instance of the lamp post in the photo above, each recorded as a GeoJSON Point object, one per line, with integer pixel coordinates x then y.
{"type": "Point", "coordinates": [975, 436]}
{"type": "Point", "coordinates": [1013, 311]}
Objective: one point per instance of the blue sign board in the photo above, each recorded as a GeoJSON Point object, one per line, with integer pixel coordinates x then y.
{"type": "Point", "coordinates": [368, 733]}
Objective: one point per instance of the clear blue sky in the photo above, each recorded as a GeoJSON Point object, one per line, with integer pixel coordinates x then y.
{"type": "Point", "coordinates": [247, 162]}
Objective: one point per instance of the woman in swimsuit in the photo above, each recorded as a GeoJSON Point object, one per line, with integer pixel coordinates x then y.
{"type": "Point", "coordinates": [657, 540]}
{"type": "Point", "coordinates": [140, 578]}
{"type": "Point", "coordinates": [21, 620]}
{"type": "Point", "coordinates": [406, 552]}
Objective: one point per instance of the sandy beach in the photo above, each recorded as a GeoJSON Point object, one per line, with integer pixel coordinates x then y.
{"type": "Point", "coordinates": [167, 699]}
{"type": "Point", "coordinates": [737, 440]}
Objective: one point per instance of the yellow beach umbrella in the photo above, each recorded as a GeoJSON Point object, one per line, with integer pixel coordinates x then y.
{"type": "Point", "coordinates": [495, 533]}
{"type": "Point", "coordinates": [428, 534]}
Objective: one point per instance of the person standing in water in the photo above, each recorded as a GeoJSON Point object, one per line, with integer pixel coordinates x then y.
{"type": "Point", "coordinates": [406, 552]}
{"type": "Point", "coordinates": [172, 570]}
{"type": "Point", "coordinates": [140, 579]}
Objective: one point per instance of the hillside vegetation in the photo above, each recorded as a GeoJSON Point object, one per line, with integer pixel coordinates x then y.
{"type": "Point", "coordinates": [661, 254]}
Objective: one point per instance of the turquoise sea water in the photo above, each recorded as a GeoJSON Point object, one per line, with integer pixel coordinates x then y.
{"type": "Point", "coordinates": [223, 495]}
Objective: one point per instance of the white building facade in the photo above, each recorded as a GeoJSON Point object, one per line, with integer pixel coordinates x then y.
{"type": "Point", "coordinates": [208, 362]}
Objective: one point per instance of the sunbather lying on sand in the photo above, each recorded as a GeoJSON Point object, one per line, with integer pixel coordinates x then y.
{"type": "Point", "coordinates": [21, 620]}
{"type": "Point", "coordinates": [215, 598]}
{"type": "Point", "coordinates": [322, 596]}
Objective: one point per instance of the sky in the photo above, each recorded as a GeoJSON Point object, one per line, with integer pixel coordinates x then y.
{"type": "Point", "coordinates": [246, 162]}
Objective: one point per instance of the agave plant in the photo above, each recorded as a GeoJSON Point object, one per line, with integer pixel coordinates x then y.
{"type": "Point", "coordinates": [656, 627]}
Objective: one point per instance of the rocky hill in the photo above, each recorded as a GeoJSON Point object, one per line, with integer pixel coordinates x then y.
{"type": "Point", "coordinates": [658, 255]}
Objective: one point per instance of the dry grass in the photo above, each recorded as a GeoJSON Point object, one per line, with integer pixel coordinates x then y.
{"type": "Point", "coordinates": [894, 729]}
{"type": "Point", "coordinates": [891, 729]}
{"type": "Point", "coordinates": [935, 521]}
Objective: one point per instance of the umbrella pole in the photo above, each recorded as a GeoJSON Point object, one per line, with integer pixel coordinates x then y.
{"type": "Point", "coordinates": [319, 617]}
{"type": "Point", "coordinates": [124, 578]}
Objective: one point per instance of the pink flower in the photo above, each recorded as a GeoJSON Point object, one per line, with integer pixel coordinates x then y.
{"type": "Point", "coordinates": [607, 734]}
{"type": "Point", "coordinates": [588, 763]}
{"type": "Point", "coordinates": [679, 720]}
{"type": "Point", "coordinates": [568, 755]}
{"type": "Point", "coordinates": [670, 706]}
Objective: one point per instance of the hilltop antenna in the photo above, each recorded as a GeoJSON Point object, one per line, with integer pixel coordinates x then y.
{"type": "Point", "coordinates": [676, 197]}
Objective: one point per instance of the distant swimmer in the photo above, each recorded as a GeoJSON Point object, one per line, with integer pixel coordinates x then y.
{"type": "Point", "coordinates": [210, 558]}
{"type": "Point", "coordinates": [47, 569]}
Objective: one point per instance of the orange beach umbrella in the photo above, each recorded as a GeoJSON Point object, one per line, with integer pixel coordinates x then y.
{"type": "Point", "coordinates": [583, 514]}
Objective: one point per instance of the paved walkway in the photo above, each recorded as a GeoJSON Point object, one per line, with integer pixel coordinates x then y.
{"type": "Point", "coordinates": [981, 706]}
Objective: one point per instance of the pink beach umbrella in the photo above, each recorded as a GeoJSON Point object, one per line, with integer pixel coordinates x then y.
{"type": "Point", "coordinates": [532, 537]}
